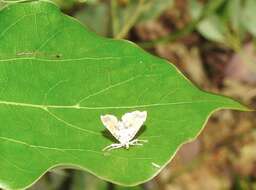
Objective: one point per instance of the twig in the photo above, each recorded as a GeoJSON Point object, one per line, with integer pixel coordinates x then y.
{"type": "Point", "coordinates": [18, 1]}
{"type": "Point", "coordinates": [114, 20]}
{"type": "Point", "coordinates": [131, 22]}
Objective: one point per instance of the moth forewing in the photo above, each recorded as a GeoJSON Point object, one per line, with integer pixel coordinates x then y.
{"type": "Point", "coordinates": [133, 121]}
{"type": "Point", "coordinates": [126, 129]}
{"type": "Point", "coordinates": [136, 115]}
{"type": "Point", "coordinates": [111, 123]}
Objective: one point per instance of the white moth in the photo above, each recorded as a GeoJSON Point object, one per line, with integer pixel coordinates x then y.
{"type": "Point", "coordinates": [124, 130]}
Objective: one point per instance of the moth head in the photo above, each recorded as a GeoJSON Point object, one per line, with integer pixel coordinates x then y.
{"type": "Point", "coordinates": [143, 114]}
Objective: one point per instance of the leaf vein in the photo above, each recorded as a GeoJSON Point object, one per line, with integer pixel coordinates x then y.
{"type": "Point", "coordinates": [108, 88]}
{"type": "Point", "coordinates": [69, 149]}
{"type": "Point", "coordinates": [64, 60]}
{"type": "Point", "coordinates": [71, 125]}
{"type": "Point", "coordinates": [16, 22]}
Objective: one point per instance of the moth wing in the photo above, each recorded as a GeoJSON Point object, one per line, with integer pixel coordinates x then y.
{"type": "Point", "coordinates": [133, 121]}
{"type": "Point", "coordinates": [111, 123]}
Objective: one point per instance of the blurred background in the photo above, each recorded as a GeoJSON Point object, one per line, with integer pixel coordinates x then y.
{"type": "Point", "coordinates": [213, 42]}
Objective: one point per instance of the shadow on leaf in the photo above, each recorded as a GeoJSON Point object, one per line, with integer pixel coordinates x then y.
{"type": "Point", "coordinates": [105, 133]}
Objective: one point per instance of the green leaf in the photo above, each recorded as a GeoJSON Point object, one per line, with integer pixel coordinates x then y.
{"type": "Point", "coordinates": [57, 78]}
{"type": "Point", "coordinates": [213, 6]}
{"type": "Point", "coordinates": [83, 180]}
{"type": "Point", "coordinates": [213, 29]}
{"type": "Point", "coordinates": [149, 10]}
{"type": "Point", "coordinates": [129, 188]}
{"type": "Point", "coordinates": [234, 13]}
{"type": "Point", "coordinates": [195, 9]}
{"type": "Point", "coordinates": [100, 14]}
{"type": "Point", "coordinates": [248, 18]}
{"type": "Point", "coordinates": [65, 4]}
{"type": "Point", "coordinates": [154, 8]}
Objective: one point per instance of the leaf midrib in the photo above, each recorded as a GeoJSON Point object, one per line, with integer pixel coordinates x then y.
{"type": "Point", "coordinates": [77, 106]}
{"type": "Point", "coordinates": [48, 107]}
{"type": "Point", "coordinates": [69, 149]}
{"type": "Point", "coordinates": [64, 60]}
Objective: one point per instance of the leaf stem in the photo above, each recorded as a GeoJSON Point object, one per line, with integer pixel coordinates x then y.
{"type": "Point", "coordinates": [131, 21]}
{"type": "Point", "coordinates": [114, 20]}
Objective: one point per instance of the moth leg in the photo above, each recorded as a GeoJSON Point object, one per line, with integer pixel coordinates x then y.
{"type": "Point", "coordinates": [137, 142]}
{"type": "Point", "coordinates": [116, 147]}
{"type": "Point", "coordinates": [112, 146]}
{"type": "Point", "coordinates": [109, 146]}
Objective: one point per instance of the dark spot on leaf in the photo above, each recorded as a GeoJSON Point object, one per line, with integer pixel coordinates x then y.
{"type": "Point", "coordinates": [58, 56]}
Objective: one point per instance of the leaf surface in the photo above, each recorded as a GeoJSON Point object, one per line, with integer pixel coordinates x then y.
{"type": "Point", "coordinates": [57, 78]}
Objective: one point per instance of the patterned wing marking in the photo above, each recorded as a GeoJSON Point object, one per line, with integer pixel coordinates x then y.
{"type": "Point", "coordinates": [132, 122]}
{"type": "Point", "coordinates": [111, 123]}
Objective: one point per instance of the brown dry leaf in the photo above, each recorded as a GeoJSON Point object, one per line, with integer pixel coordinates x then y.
{"type": "Point", "coordinates": [246, 163]}
{"type": "Point", "coordinates": [188, 60]}
{"type": "Point", "coordinates": [201, 178]}
{"type": "Point", "coordinates": [242, 66]}
{"type": "Point", "coordinates": [242, 91]}
{"type": "Point", "coordinates": [150, 30]}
